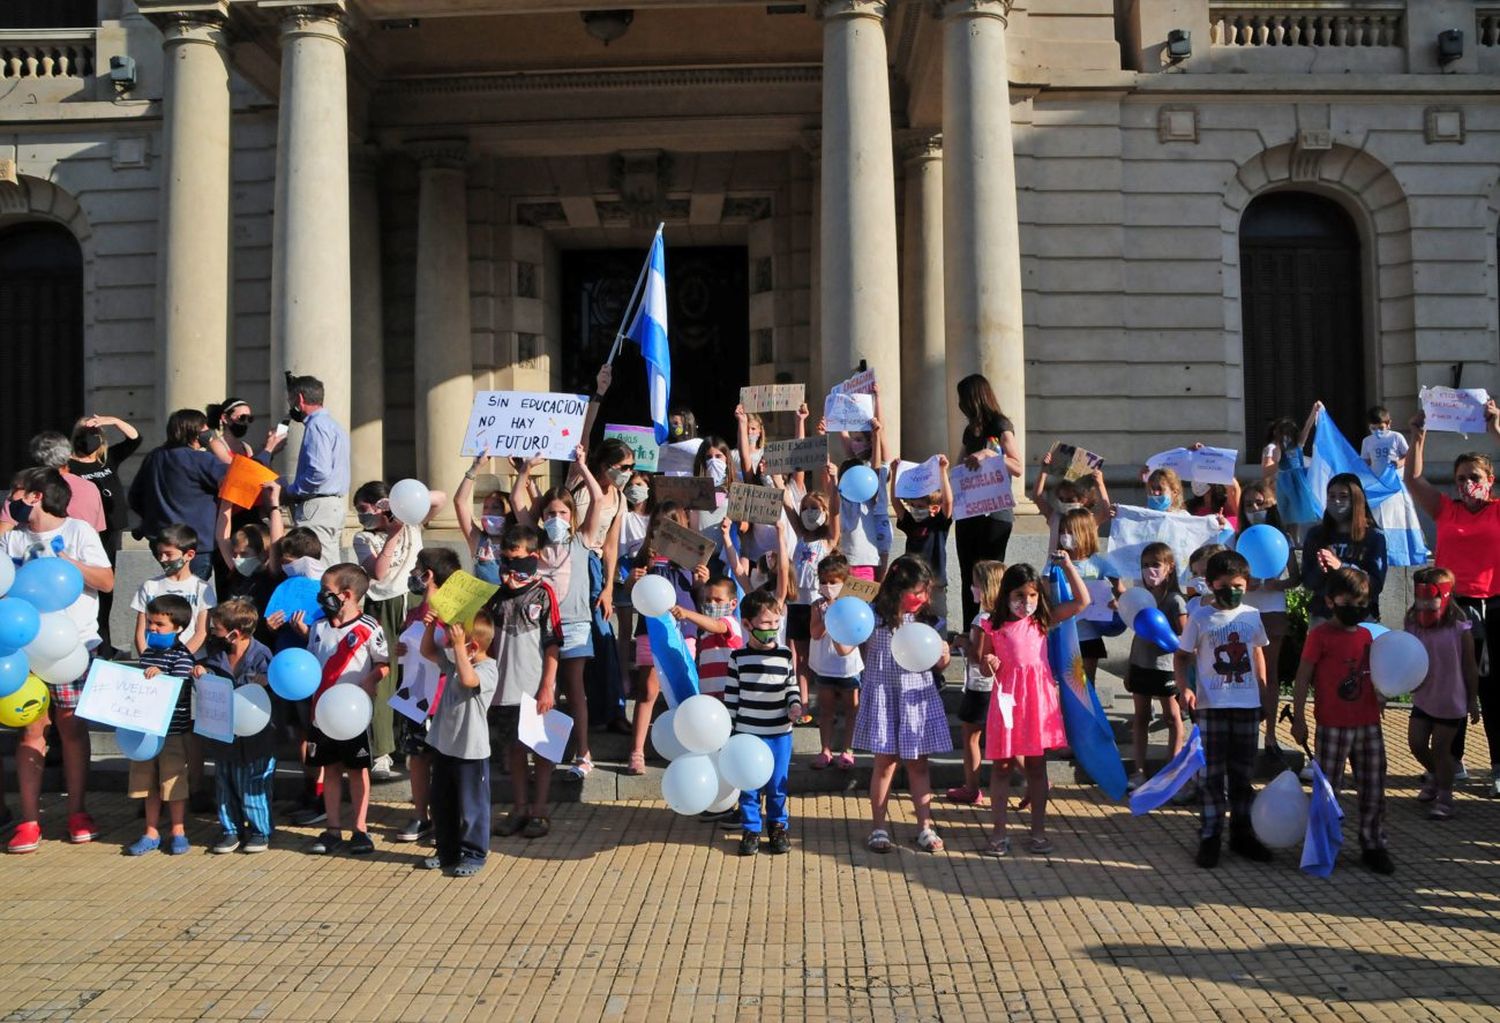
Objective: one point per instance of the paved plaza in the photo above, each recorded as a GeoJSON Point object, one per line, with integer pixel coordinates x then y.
{"type": "Point", "coordinates": [628, 912]}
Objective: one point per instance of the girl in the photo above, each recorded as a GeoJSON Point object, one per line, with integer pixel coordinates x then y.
{"type": "Point", "coordinates": [864, 526]}
{"type": "Point", "coordinates": [1079, 536]}
{"type": "Point", "coordinates": [901, 717]}
{"type": "Point", "coordinates": [1283, 466]}
{"type": "Point", "coordinates": [1449, 693]}
{"type": "Point", "coordinates": [1347, 535]}
{"type": "Point", "coordinates": [988, 433]}
{"type": "Point", "coordinates": [1258, 507]}
{"type": "Point", "coordinates": [1150, 675]}
{"type": "Point", "coordinates": [1163, 491]}
{"type": "Point", "coordinates": [231, 420]}
{"type": "Point", "coordinates": [752, 439]}
{"type": "Point", "coordinates": [483, 537]}
{"type": "Point", "coordinates": [817, 536]}
{"type": "Point", "coordinates": [247, 551]}
{"type": "Point", "coordinates": [835, 668]}
{"type": "Point", "coordinates": [1013, 651]}
{"type": "Point", "coordinates": [632, 534]}
{"type": "Point", "coordinates": [612, 464]}
{"type": "Point", "coordinates": [714, 460]}
{"type": "Point", "coordinates": [985, 589]}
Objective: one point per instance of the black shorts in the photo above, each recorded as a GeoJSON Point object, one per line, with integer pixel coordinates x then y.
{"type": "Point", "coordinates": [1418, 712]}
{"type": "Point", "coordinates": [1092, 648]}
{"type": "Point", "coordinates": [974, 707]}
{"type": "Point", "coordinates": [505, 726]}
{"type": "Point", "coordinates": [799, 621]}
{"type": "Point", "coordinates": [848, 685]}
{"type": "Point", "coordinates": [411, 738]}
{"type": "Point", "coordinates": [325, 752]}
{"type": "Point", "coordinates": [1150, 682]}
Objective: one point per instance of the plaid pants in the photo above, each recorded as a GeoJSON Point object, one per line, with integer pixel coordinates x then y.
{"type": "Point", "coordinates": [1229, 748]}
{"type": "Point", "coordinates": [1364, 746]}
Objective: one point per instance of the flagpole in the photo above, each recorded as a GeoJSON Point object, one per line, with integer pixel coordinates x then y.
{"type": "Point", "coordinates": [634, 294]}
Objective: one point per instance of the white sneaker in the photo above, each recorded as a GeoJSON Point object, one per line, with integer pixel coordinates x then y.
{"type": "Point", "coordinates": [380, 770]}
{"type": "Point", "coordinates": [1136, 781]}
{"type": "Point", "coordinates": [1460, 774]}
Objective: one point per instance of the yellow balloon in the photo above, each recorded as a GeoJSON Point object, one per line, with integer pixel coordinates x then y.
{"type": "Point", "coordinates": [26, 704]}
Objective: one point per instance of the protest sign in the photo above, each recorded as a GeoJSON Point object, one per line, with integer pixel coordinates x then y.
{"type": "Point", "coordinates": [1214, 465]}
{"type": "Point", "coordinates": [1454, 410]}
{"type": "Point", "coordinates": [1074, 463]}
{"type": "Point", "coordinates": [460, 597]}
{"type": "Point", "coordinates": [684, 547]}
{"type": "Point", "coordinates": [772, 397]}
{"type": "Point", "coordinates": [749, 503]}
{"type": "Point", "coordinates": [695, 493]}
{"type": "Point", "coordinates": [1179, 460]}
{"type": "Point", "coordinates": [676, 459]}
{"type": "Point", "coordinates": [1101, 592]}
{"type": "Point", "coordinates": [641, 440]}
{"type": "Point", "coordinates": [981, 491]}
{"type": "Point", "coordinates": [862, 382]}
{"type": "Point", "coordinates": [298, 593]}
{"type": "Point", "coordinates": [243, 481]}
{"type": "Point", "coordinates": [213, 710]}
{"type": "Point", "coordinates": [125, 698]}
{"type": "Point", "coordinates": [917, 480]}
{"type": "Point", "coordinates": [792, 455]}
{"type": "Point", "coordinates": [546, 734]}
{"type": "Point", "coordinates": [862, 589]}
{"type": "Point", "coordinates": [848, 412]}
{"type": "Point", "coordinates": [522, 424]}
{"type": "Point", "coordinates": [421, 684]}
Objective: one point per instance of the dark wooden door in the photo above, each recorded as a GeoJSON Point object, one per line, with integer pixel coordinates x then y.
{"type": "Point", "coordinates": [48, 14]}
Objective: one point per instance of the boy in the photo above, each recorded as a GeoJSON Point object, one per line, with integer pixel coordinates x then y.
{"type": "Point", "coordinates": [1382, 446]}
{"type": "Point", "coordinates": [1336, 662]}
{"type": "Point", "coordinates": [175, 547]}
{"type": "Point", "coordinates": [926, 520]}
{"type": "Point", "coordinates": [460, 747]}
{"type": "Point", "coordinates": [761, 695]}
{"type": "Point", "coordinates": [719, 633]}
{"type": "Point", "coordinates": [165, 776]}
{"type": "Point", "coordinates": [299, 554]}
{"type": "Point", "coordinates": [39, 505]}
{"type": "Point", "coordinates": [528, 637]}
{"type": "Point", "coordinates": [434, 566]}
{"type": "Point", "coordinates": [350, 645]}
{"type": "Point", "coordinates": [1226, 638]}
{"type": "Point", "coordinates": [244, 769]}
{"type": "Point", "coordinates": [835, 670]}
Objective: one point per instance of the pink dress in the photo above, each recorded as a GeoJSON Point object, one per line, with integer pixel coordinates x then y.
{"type": "Point", "coordinates": [1036, 719]}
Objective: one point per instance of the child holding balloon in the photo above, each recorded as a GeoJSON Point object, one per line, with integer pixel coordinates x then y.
{"type": "Point", "coordinates": [835, 667]}
{"type": "Point", "coordinates": [760, 692]}
{"type": "Point", "coordinates": [859, 488]}
{"type": "Point", "coordinates": [1078, 534]}
{"type": "Point", "coordinates": [1450, 691]}
{"type": "Point", "coordinates": [164, 777]}
{"type": "Point", "coordinates": [1150, 672]}
{"type": "Point", "coordinates": [1258, 508]}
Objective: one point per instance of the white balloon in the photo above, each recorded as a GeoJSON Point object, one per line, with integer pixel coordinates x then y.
{"type": "Point", "coordinates": [56, 639]}
{"type": "Point", "coordinates": [746, 762]}
{"type": "Point", "coordinates": [702, 724]}
{"type": "Point", "coordinates": [1398, 663]}
{"type": "Point", "coordinates": [343, 712]}
{"type": "Point", "coordinates": [66, 669]}
{"type": "Point", "coordinates": [252, 710]}
{"type": "Point", "coordinates": [916, 646]}
{"type": "Point", "coordinates": [653, 596]}
{"type": "Point", "coordinates": [410, 501]}
{"type": "Point", "coordinates": [1279, 813]}
{"type": "Point", "coordinates": [1133, 601]}
{"type": "Point", "coordinates": [690, 784]}
{"type": "Point", "coordinates": [664, 739]}
{"type": "Point", "coordinates": [728, 796]}
{"type": "Point", "coordinates": [7, 575]}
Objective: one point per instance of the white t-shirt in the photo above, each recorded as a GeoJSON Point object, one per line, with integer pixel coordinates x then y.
{"type": "Point", "coordinates": [369, 545]}
{"type": "Point", "coordinates": [324, 640]}
{"type": "Point", "coordinates": [77, 540]}
{"type": "Point", "coordinates": [632, 534]}
{"type": "Point", "coordinates": [805, 558]}
{"type": "Point", "coordinates": [1223, 642]}
{"type": "Point", "coordinates": [1381, 448]}
{"type": "Point", "coordinates": [199, 593]}
{"type": "Point", "coordinates": [865, 529]}
{"type": "Point", "coordinates": [824, 660]}
{"type": "Point", "coordinates": [975, 681]}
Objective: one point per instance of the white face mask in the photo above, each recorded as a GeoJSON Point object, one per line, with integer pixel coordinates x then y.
{"type": "Point", "coordinates": [830, 591]}
{"type": "Point", "coordinates": [1023, 607]}
{"type": "Point", "coordinates": [813, 518]}
{"type": "Point", "coordinates": [1154, 576]}
{"type": "Point", "coordinates": [1065, 541]}
{"type": "Point", "coordinates": [305, 568]}
{"type": "Point", "coordinates": [246, 566]}
{"type": "Point", "coordinates": [637, 493]}
{"type": "Point", "coordinates": [493, 525]}
{"type": "Point", "coordinates": [1256, 517]}
{"type": "Point", "coordinates": [717, 471]}
{"type": "Point", "coordinates": [921, 514]}
{"type": "Point", "coordinates": [558, 529]}
{"type": "Point", "coordinates": [978, 596]}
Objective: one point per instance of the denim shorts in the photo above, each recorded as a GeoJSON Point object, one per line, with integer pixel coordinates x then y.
{"type": "Point", "coordinates": [577, 640]}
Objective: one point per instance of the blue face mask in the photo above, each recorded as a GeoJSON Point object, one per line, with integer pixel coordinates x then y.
{"type": "Point", "coordinates": [1159, 502]}
{"type": "Point", "coordinates": [160, 640]}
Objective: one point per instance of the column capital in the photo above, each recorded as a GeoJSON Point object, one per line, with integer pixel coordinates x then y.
{"type": "Point", "coordinates": [185, 22]}
{"type": "Point", "coordinates": [973, 9]}
{"type": "Point", "coordinates": [439, 154]}
{"type": "Point", "coordinates": [324, 20]}
{"type": "Point", "coordinates": [852, 8]}
{"type": "Point", "coordinates": [916, 144]}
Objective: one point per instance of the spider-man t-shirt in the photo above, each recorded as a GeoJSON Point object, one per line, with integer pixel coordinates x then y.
{"type": "Point", "coordinates": [1343, 696]}
{"type": "Point", "coordinates": [1224, 642]}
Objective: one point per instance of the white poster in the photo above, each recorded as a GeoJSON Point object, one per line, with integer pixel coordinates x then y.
{"type": "Point", "coordinates": [524, 424]}
{"type": "Point", "coordinates": [676, 459]}
{"type": "Point", "coordinates": [917, 480]}
{"type": "Point", "coordinates": [981, 491]}
{"type": "Point", "coordinates": [848, 412]}
{"type": "Point", "coordinates": [125, 698]}
{"type": "Point", "coordinates": [1454, 410]}
{"type": "Point", "coordinates": [213, 708]}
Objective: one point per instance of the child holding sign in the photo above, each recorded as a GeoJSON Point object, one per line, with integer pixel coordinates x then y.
{"type": "Point", "coordinates": [926, 520]}
{"type": "Point", "coordinates": [164, 778]}
{"type": "Point", "coordinates": [864, 526]}
{"type": "Point", "coordinates": [244, 769]}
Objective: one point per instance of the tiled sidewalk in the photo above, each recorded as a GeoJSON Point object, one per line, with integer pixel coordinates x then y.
{"type": "Point", "coordinates": [627, 912]}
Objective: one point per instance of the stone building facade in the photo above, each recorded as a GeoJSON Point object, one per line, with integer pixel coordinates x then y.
{"type": "Point", "coordinates": [1145, 220]}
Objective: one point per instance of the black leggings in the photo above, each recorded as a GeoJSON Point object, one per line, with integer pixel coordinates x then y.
{"type": "Point", "coordinates": [1486, 648]}
{"type": "Point", "coordinates": [978, 539]}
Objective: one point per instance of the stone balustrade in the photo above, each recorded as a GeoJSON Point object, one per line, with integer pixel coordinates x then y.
{"type": "Point", "coordinates": [1244, 26]}
{"type": "Point", "coordinates": [46, 53]}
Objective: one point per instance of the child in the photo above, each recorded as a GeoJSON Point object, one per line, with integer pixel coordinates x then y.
{"type": "Point", "coordinates": [973, 708]}
{"type": "Point", "coordinates": [865, 526]}
{"type": "Point", "coordinates": [835, 669]}
{"type": "Point", "coordinates": [1347, 535]}
{"type": "Point", "coordinates": [1197, 591]}
{"type": "Point", "coordinates": [460, 746]}
{"type": "Point", "coordinates": [165, 776]}
{"type": "Point", "coordinates": [761, 695]}
{"type": "Point", "coordinates": [1013, 651]}
{"type": "Point", "coordinates": [244, 769]}
{"type": "Point", "coordinates": [1449, 693]}
{"type": "Point", "coordinates": [1336, 662]}
{"type": "Point", "coordinates": [1164, 491]}
{"type": "Point", "coordinates": [1226, 640]}
{"type": "Point", "coordinates": [714, 460]}
{"type": "Point", "coordinates": [1284, 467]}
{"type": "Point", "coordinates": [1258, 507]}
{"type": "Point", "coordinates": [1382, 446]}
{"type": "Point", "coordinates": [633, 526]}
{"type": "Point", "coordinates": [1150, 676]}
{"type": "Point", "coordinates": [1078, 534]}
{"type": "Point", "coordinates": [817, 535]}
{"type": "Point", "coordinates": [926, 522]}
{"type": "Point", "coordinates": [901, 716]}
{"type": "Point", "coordinates": [719, 633]}
{"type": "Point", "coordinates": [299, 554]}
{"type": "Point", "coordinates": [528, 636]}
{"type": "Point", "coordinates": [175, 547]}
{"type": "Point", "coordinates": [1070, 495]}
{"type": "Point", "coordinates": [350, 645]}
{"type": "Point", "coordinates": [494, 515]}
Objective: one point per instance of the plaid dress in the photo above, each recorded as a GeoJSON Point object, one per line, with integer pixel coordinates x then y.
{"type": "Point", "coordinates": [901, 713]}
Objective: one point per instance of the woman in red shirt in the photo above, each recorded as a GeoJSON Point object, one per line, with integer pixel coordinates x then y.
{"type": "Point", "coordinates": [1468, 545]}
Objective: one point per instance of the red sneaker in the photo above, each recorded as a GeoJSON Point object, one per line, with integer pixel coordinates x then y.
{"type": "Point", "coordinates": [81, 828]}
{"type": "Point", "coordinates": [961, 794]}
{"type": "Point", "coordinates": [27, 837]}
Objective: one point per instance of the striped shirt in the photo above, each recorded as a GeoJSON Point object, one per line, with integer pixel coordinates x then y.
{"type": "Point", "coordinates": [759, 690]}
{"type": "Point", "coordinates": [176, 661]}
{"type": "Point", "coordinates": [714, 652]}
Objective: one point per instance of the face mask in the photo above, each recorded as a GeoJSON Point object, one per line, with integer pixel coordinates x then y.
{"type": "Point", "coordinates": [619, 477]}
{"type": "Point", "coordinates": [717, 610]}
{"type": "Point", "coordinates": [330, 602]}
{"type": "Point", "coordinates": [1154, 576]}
{"type": "Point", "coordinates": [921, 514]}
{"type": "Point", "coordinates": [1349, 614]}
{"type": "Point", "coordinates": [218, 644]}
{"type": "Point", "coordinates": [1198, 583]}
{"type": "Point", "coordinates": [677, 431]}
{"type": "Point", "coordinates": [371, 520]}
{"type": "Point", "coordinates": [911, 603]}
{"type": "Point", "coordinates": [296, 415]}
{"type": "Point", "coordinates": [493, 524]}
{"type": "Point", "coordinates": [520, 569]}
{"type": "Point", "coordinates": [860, 446]}
{"type": "Point", "coordinates": [813, 518]}
{"type": "Point", "coordinates": [765, 635]}
{"type": "Point", "coordinates": [1256, 517]}
{"type": "Point", "coordinates": [1023, 607]}
{"type": "Point", "coordinates": [830, 591]}
{"type": "Point", "coordinates": [246, 566]}
{"type": "Point", "coordinates": [1378, 429]}
{"type": "Point", "coordinates": [172, 567]}
{"type": "Point", "coordinates": [305, 568]}
{"type": "Point", "coordinates": [1065, 541]}
{"type": "Point", "coordinates": [978, 596]}
{"type": "Point", "coordinates": [1340, 508]}
{"type": "Point", "coordinates": [1229, 597]}
{"type": "Point", "coordinates": [1476, 490]}
{"type": "Point", "coordinates": [637, 493]}
{"type": "Point", "coordinates": [557, 529]}
{"type": "Point", "coordinates": [239, 428]}
{"type": "Point", "coordinates": [160, 640]}
{"type": "Point", "coordinates": [20, 511]}
{"type": "Point", "coordinates": [717, 471]}
{"type": "Point", "coordinates": [1159, 502]}
{"type": "Point", "coordinates": [415, 584]}
{"type": "Point", "coordinates": [1432, 603]}
{"type": "Point", "coordinates": [88, 443]}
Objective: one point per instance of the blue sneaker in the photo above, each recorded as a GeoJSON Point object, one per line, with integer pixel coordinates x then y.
{"type": "Point", "coordinates": [178, 845]}
{"type": "Point", "coordinates": [143, 845]}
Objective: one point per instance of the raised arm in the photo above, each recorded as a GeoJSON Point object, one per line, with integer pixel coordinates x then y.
{"type": "Point", "coordinates": [520, 496]}
{"type": "Point", "coordinates": [602, 381]}
{"type": "Point", "coordinates": [1101, 509]}
{"type": "Point", "coordinates": [947, 487]}
{"type": "Point", "coordinates": [1081, 598]}
{"type": "Point", "coordinates": [799, 475]}
{"type": "Point", "coordinates": [463, 501]}
{"type": "Point", "coordinates": [222, 530]}
{"type": "Point", "coordinates": [1307, 427]}
{"type": "Point", "coordinates": [1039, 488]}
{"type": "Point", "coordinates": [742, 440]}
{"type": "Point", "coordinates": [877, 433]}
{"type": "Point", "coordinates": [596, 492]}
{"type": "Point", "coordinates": [1427, 496]}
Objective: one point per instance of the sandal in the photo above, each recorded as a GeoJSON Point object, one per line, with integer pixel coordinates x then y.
{"type": "Point", "coordinates": [928, 840]}
{"type": "Point", "coordinates": [821, 761]}
{"type": "Point", "coordinates": [536, 827]}
{"type": "Point", "coordinates": [1039, 844]}
{"type": "Point", "coordinates": [845, 761]}
{"type": "Point", "coordinates": [997, 847]}
{"type": "Point", "coordinates": [879, 841]}
{"type": "Point", "coordinates": [509, 824]}
{"type": "Point", "coordinates": [579, 769]}
{"type": "Point", "coordinates": [637, 764]}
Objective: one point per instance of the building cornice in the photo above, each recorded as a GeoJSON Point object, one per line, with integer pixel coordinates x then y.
{"type": "Point", "coordinates": [585, 81]}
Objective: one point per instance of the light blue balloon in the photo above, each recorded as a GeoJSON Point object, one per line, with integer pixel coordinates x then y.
{"type": "Point", "coordinates": [859, 484]}
{"type": "Point", "coordinates": [849, 621]}
{"type": "Point", "coordinates": [48, 584]}
{"type": "Point", "coordinates": [139, 745]}
{"type": "Point", "coordinates": [746, 762]}
{"type": "Point", "coordinates": [14, 667]}
{"type": "Point", "coordinates": [294, 674]}
{"type": "Point", "coordinates": [1265, 548]}
{"type": "Point", "coordinates": [19, 623]}
{"type": "Point", "coordinates": [1375, 629]}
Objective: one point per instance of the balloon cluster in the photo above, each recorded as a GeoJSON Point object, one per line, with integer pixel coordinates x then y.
{"type": "Point", "coordinates": [343, 711]}
{"type": "Point", "coordinates": [39, 643]}
{"type": "Point", "coordinates": [1138, 607]}
{"type": "Point", "coordinates": [707, 767]}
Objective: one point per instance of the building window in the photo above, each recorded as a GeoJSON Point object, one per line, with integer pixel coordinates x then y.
{"type": "Point", "coordinates": [48, 14]}
{"type": "Point", "coordinates": [1303, 312]}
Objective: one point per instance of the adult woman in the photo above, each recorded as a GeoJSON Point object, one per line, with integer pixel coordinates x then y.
{"type": "Point", "coordinates": [1347, 535]}
{"type": "Point", "coordinates": [179, 482]}
{"type": "Point", "coordinates": [230, 421]}
{"type": "Point", "coordinates": [98, 461]}
{"type": "Point", "coordinates": [1468, 545]}
{"type": "Point", "coordinates": [987, 434]}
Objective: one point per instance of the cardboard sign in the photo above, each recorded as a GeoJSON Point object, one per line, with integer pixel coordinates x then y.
{"type": "Point", "coordinates": [523, 424]}
{"type": "Point", "coordinates": [981, 491]}
{"type": "Point", "coordinates": [1074, 463]}
{"type": "Point", "coordinates": [863, 589]}
{"type": "Point", "coordinates": [749, 503]}
{"type": "Point", "coordinates": [299, 593]}
{"type": "Point", "coordinates": [676, 459]}
{"type": "Point", "coordinates": [916, 481]}
{"type": "Point", "coordinates": [862, 382]}
{"type": "Point", "coordinates": [781, 456]}
{"type": "Point", "coordinates": [773, 397]}
{"type": "Point", "coordinates": [125, 698]}
{"type": "Point", "coordinates": [243, 481]}
{"type": "Point", "coordinates": [641, 440]}
{"type": "Point", "coordinates": [421, 683]}
{"type": "Point", "coordinates": [1453, 410]}
{"type": "Point", "coordinates": [213, 713]}
{"type": "Point", "coordinates": [844, 413]}
{"type": "Point", "coordinates": [695, 493]}
{"type": "Point", "coordinates": [684, 547]}
{"type": "Point", "coordinates": [460, 597]}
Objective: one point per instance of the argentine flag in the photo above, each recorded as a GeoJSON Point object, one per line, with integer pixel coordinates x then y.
{"type": "Point", "coordinates": [1389, 502]}
{"type": "Point", "coordinates": [649, 330]}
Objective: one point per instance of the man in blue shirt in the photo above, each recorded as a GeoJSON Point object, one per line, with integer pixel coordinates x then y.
{"type": "Point", "coordinates": [319, 491]}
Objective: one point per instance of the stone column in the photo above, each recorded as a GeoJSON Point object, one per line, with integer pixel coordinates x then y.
{"type": "Point", "coordinates": [367, 369]}
{"type": "Point", "coordinates": [310, 304]}
{"type": "Point", "coordinates": [924, 380]}
{"type": "Point", "coordinates": [812, 141]}
{"type": "Point", "coordinates": [981, 229]}
{"type": "Point", "coordinates": [192, 308]}
{"type": "Point", "coordinates": [860, 318]}
{"type": "Point", "coordinates": [445, 357]}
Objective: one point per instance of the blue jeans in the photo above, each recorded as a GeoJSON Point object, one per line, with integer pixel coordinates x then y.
{"type": "Point", "coordinates": [773, 790]}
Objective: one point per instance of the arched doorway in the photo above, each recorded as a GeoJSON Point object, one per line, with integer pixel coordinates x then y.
{"type": "Point", "coordinates": [41, 335]}
{"type": "Point", "coordinates": [1300, 286]}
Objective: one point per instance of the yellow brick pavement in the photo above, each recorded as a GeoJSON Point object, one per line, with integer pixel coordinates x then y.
{"type": "Point", "coordinates": [626, 912]}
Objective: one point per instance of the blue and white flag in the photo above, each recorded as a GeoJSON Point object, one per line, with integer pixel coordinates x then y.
{"type": "Point", "coordinates": [1089, 731]}
{"type": "Point", "coordinates": [1134, 527]}
{"type": "Point", "coordinates": [1325, 831]}
{"type": "Point", "coordinates": [1169, 781]}
{"type": "Point", "coordinates": [1387, 497]}
{"type": "Point", "coordinates": [649, 330]}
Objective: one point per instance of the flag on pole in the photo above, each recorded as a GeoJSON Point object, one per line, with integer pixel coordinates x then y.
{"type": "Point", "coordinates": [1089, 731]}
{"type": "Point", "coordinates": [1169, 781]}
{"type": "Point", "coordinates": [649, 330]}
{"type": "Point", "coordinates": [1389, 502]}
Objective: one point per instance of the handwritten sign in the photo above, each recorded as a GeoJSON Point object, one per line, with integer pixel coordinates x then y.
{"type": "Point", "coordinates": [125, 698]}
{"type": "Point", "coordinates": [641, 440]}
{"type": "Point", "coordinates": [917, 480]}
{"type": "Point", "coordinates": [772, 397]}
{"type": "Point", "coordinates": [861, 589]}
{"type": "Point", "coordinates": [546, 734]}
{"type": "Point", "coordinates": [1454, 410]}
{"type": "Point", "coordinates": [299, 593]}
{"type": "Point", "coordinates": [523, 424]}
{"type": "Point", "coordinates": [981, 491]}
{"type": "Point", "coordinates": [1206, 465]}
{"type": "Point", "coordinates": [862, 382]}
{"type": "Point", "coordinates": [848, 412]}
{"type": "Point", "coordinates": [1179, 460]}
{"type": "Point", "coordinates": [243, 481]}
{"type": "Point", "coordinates": [794, 455]}
{"type": "Point", "coordinates": [676, 459]}
{"type": "Point", "coordinates": [684, 547]}
{"type": "Point", "coordinates": [421, 684]}
{"type": "Point", "coordinates": [695, 493]}
{"type": "Point", "coordinates": [1074, 463]}
{"type": "Point", "coordinates": [213, 712]}
{"type": "Point", "coordinates": [460, 597]}
{"type": "Point", "coordinates": [750, 503]}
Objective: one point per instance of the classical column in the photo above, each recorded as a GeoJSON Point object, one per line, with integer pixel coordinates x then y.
{"type": "Point", "coordinates": [310, 304]}
{"type": "Point", "coordinates": [367, 371]}
{"type": "Point", "coordinates": [981, 229]}
{"type": "Point", "coordinates": [192, 309]}
{"type": "Point", "coordinates": [924, 390]}
{"type": "Point", "coordinates": [812, 141]}
{"type": "Point", "coordinates": [445, 355]}
{"type": "Point", "coordinates": [860, 318]}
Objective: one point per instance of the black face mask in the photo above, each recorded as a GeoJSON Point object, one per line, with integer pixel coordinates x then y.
{"type": "Point", "coordinates": [239, 427]}
{"type": "Point", "coordinates": [296, 414]}
{"type": "Point", "coordinates": [88, 443]}
{"type": "Point", "coordinates": [1349, 614]}
{"type": "Point", "coordinates": [1229, 597]}
{"type": "Point", "coordinates": [330, 602]}
{"type": "Point", "coordinates": [20, 511]}
{"type": "Point", "coordinates": [218, 644]}
{"type": "Point", "coordinates": [522, 568]}
{"type": "Point", "coordinates": [415, 584]}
